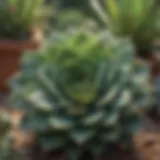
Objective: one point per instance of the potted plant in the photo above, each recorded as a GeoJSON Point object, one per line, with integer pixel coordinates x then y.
{"type": "Point", "coordinates": [20, 29]}
{"type": "Point", "coordinates": [82, 91]}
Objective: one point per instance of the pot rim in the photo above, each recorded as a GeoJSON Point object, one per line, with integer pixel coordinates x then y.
{"type": "Point", "coordinates": [9, 45]}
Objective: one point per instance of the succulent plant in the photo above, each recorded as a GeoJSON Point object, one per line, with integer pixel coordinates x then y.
{"type": "Point", "coordinates": [81, 89]}
{"type": "Point", "coordinates": [6, 150]}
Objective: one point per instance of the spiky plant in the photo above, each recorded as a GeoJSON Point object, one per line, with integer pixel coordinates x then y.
{"type": "Point", "coordinates": [81, 89]}
{"type": "Point", "coordinates": [6, 150]}
{"type": "Point", "coordinates": [18, 17]}
{"type": "Point", "coordinates": [138, 19]}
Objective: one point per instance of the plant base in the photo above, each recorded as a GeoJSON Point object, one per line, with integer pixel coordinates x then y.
{"type": "Point", "coordinates": [112, 152]}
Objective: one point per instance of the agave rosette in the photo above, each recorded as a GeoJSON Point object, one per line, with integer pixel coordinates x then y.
{"type": "Point", "coordinates": [81, 88]}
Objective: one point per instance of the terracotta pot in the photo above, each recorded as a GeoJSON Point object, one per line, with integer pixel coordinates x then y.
{"type": "Point", "coordinates": [10, 52]}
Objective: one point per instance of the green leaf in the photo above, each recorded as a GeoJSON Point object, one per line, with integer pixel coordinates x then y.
{"type": "Point", "coordinates": [60, 123]}
{"type": "Point", "coordinates": [111, 135]}
{"type": "Point", "coordinates": [109, 96]}
{"type": "Point", "coordinates": [125, 98]}
{"type": "Point", "coordinates": [81, 136]}
{"type": "Point", "coordinates": [112, 8]}
{"type": "Point", "coordinates": [93, 118]}
{"type": "Point", "coordinates": [111, 118]}
{"type": "Point", "coordinates": [35, 123]}
{"type": "Point", "coordinates": [39, 101]}
{"type": "Point", "coordinates": [52, 143]}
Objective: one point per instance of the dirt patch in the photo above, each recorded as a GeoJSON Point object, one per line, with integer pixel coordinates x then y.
{"type": "Point", "coordinates": [146, 142]}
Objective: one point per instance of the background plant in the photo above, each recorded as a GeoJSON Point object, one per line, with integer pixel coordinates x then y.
{"type": "Point", "coordinates": [138, 19]}
{"type": "Point", "coordinates": [19, 17]}
{"type": "Point", "coordinates": [82, 89]}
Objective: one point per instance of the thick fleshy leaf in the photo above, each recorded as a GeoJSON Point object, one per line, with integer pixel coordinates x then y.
{"type": "Point", "coordinates": [109, 95]}
{"type": "Point", "coordinates": [76, 111]}
{"type": "Point", "coordinates": [125, 98]}
{"type": "Point", "coordinates": [50, 143]}
{"type": "Point", "coordinates": [82, 136]}
{"type": "Point", "coordinates": [38, 124]}
{"type": "Point", "coordinates": [111, 135]}
{"type": "Point", "coordinates": [93, 118]}
{"type": "Point", "coordinates": [82, 93]}
{"type": "Point", "coordinates": [111, 119]}
{"type": "Point", "coordinates": [60, 123]}
{"type": "Point", "coordinates": [39, 101]}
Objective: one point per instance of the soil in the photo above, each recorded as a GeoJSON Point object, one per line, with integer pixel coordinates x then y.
{"type": "Point", "coordinates": [146, 142]}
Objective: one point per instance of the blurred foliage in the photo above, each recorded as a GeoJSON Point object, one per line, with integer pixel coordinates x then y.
{"type": "Point", "coordinates": [19, 17]}
{"type": "Point", "coordinates": [137, 19]}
